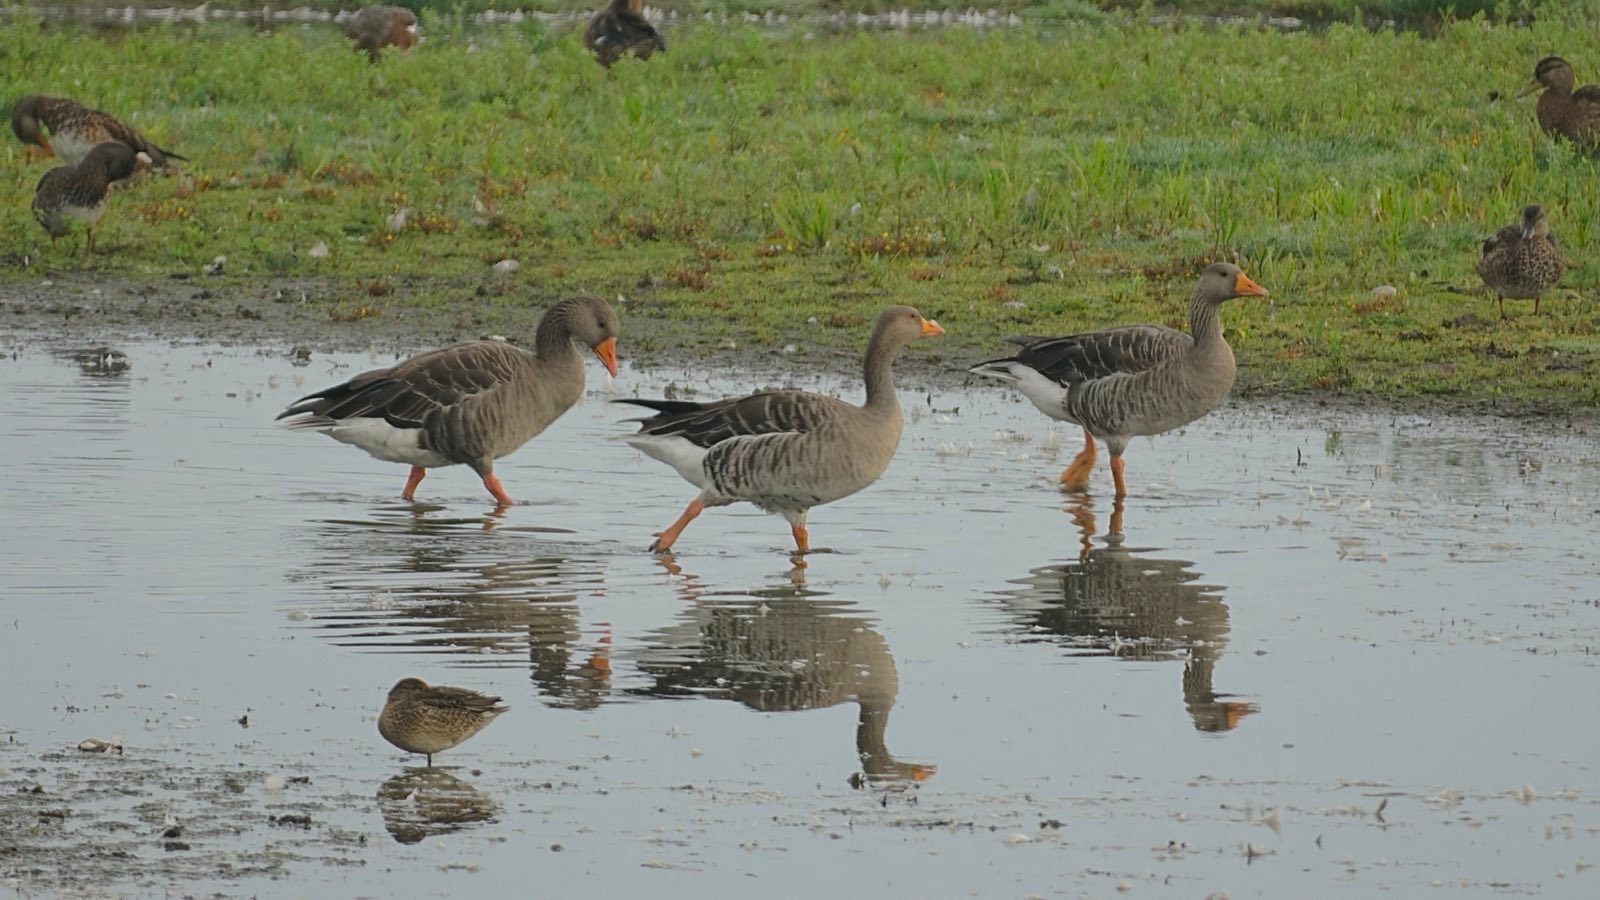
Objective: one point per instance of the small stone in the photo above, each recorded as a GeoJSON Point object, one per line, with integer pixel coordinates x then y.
{"type": "Point", "coordinates": [507, 265]}
{"type": "Point", "coordinates": [319, 250]}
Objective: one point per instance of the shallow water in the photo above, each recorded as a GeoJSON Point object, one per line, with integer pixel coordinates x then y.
{"type": "Point", "coordinates": [1330, 652]}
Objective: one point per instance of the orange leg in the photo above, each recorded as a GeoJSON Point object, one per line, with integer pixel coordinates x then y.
{"type": "Point", "coordinates": [492, 482]}
{"type": "Point", "coordinates": [1075, 477]}
{"type": "Point", "coordinates": [665, 539]}
{"type": "Point", "coordinates": [1116, 475]}
{"type": "Point", "coordinates": [1116, 516]}
{"type": "Point", "coordinates": [88, 242]}
{"type": "Point", "coordinates": [802, 538]}
{"type": "Point", "coordinates": [410, 493]}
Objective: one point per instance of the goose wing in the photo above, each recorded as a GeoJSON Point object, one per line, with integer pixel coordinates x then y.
{"type": "Point", "coordinates": [1093, 355]}
{"type": "Point", "coordinates": [708, 424]}
{"type": "Point", "coordinates": [406, 394]}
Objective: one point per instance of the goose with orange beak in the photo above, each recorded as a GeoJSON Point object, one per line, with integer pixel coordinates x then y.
{"type": "Point", "coordinates": [784, 451]}
{"type": "Point", "coordinates": [466, 404]}
{"type": "Point", "coordinates": [1136, 380]}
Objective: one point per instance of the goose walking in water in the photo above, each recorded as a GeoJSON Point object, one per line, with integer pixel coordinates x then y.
{"type": "Point", "coordinates": [467, 404]}
{"type": "Point", "coordinates": [784, 451]}
{"type": "Point", "coordinates": [1135, 380]}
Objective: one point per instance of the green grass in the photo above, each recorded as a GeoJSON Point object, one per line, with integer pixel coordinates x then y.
{"type": "Point", "coordinates": [749, 180]}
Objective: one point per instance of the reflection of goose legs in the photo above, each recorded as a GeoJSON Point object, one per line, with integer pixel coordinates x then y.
{"type": "Point", "coordinates": [1082, 511]}
{"type": "Point", "coordinates": [1075, 477]}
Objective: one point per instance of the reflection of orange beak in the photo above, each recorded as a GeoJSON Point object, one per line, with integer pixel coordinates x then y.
{"type": "Point", "coordinates": [1235, 713]}
{"type": "Point", "coordinates": [606, 350]}
{"type": "Point", "coordinates": [931, 328]}
{"type": "Point", "coordinates": [1244, 287]}
{"type": "Point", "coordinates": [919, 771]}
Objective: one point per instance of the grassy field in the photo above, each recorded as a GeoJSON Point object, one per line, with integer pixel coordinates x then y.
{"type": "Point", "coordinates": [1041, 180]}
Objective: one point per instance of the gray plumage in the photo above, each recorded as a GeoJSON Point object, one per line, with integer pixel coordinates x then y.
{"type": "Point", "coordinates": [621, 29]}
{"type": "Point", "coordinates": [789, 654]}
{"type": "Point", "coordinates": [1565, 112]}
{"type": "Point", "coordinates": [1522, 260]}
{"type": "Point", "coordinates": [428, 719]}
{"type": "Point", "coordinates": [1135, 380]}
{"type": "Point", "coordinates": [78, 193]}
{"type": "Point", "coordinates": [467, 404]}
{"type": "Point", "coordinates": [785, 451]}
{"type": "Point", "coordinates": [76, 129]}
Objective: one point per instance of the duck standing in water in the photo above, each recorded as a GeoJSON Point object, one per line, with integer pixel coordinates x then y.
{"type": "Point", "coordinates": [428, 719]}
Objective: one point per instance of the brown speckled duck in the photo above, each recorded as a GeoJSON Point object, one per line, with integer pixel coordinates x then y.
{"type": "Point", "coordinates": [1136, 380]}
{"type": "Point", "coordinates": [376, 27]}
{"type": "Point", "coordinates": [621, 29]}
{"type": "Point", "coordinates": [76, 129]}
{"type": "Point", "coordinates": [428, 719]}
{"type": "Point", "coordinates": [1522, 260]}
{"type": "Point", "coordinates": [784, 451]}
{"type": "Point", "coordinates": [1564, 112]}
{"type": "Point", "coordinates": [78, 193]}
{"type": "Point", "coordinates": [467, 404]}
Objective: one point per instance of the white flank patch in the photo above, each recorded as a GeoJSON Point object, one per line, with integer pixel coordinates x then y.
{"type": "Point", "coordinates": [677, 452]}
{"type": "Point", "coordinates": [386, 442]}
{"type": "Point", "coordinates": [1049, 397]}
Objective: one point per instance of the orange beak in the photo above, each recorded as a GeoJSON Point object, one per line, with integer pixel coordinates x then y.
{"type": "Point", "coordinates": [931, 328]}
{"type": "Point", "coordinates": [1244, 287]}
{"type": "Point", "coordinates": [606, 350]}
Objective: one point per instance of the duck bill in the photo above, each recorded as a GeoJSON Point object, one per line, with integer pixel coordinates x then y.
{"type": "Point", "coordinates": [1529, 89]}
{"type": "Point", "coordinates": [1243, 286]}
{"type": "Point", "coordinates": [606, 351]}
{"type": "Point", "coordinates": [930, 328]}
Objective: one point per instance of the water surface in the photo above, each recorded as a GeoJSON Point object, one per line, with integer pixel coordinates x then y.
{"type": "Point", "coordinates": [1328, 652]}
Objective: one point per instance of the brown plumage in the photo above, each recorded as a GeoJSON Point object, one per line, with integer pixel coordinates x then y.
{"type": "Point", "coordinates": [78, 193]}
{"type": "Point", "coordinates": [76, 129]}
{"type": "Point", "coordinates": [1522, 260]}
{"type": "Point", "coordinates": [376, 27]}
{"type": "Point", "coordinates": [467, 404]}
{"type": "Point", "coordinates": [621, 29]}
{"type": "Point", "coordinates": [1136, 380]}
{"type": "Point", "coordinates": [784, 451]}
{"type": "Point", "coordinates": [429, 719]}
{"type": "Point", "coordinates": [1565, 112]}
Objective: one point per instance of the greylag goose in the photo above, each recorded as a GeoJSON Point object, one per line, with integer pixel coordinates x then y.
{"type": "Point", "coordinates": [76, 129]}
{"type": "Point", "coordinates": [1135, 380]}
{"type": "Point", "coordinates": [784, 451]}
{"type": "Point", "coordinates": [429, 719]}
{"type": "Point", "coordinates": [1521, 260]}
{"type": "Point", "coordinates": [376, 27]}
{"type": "Point", "coordinates": [621, 29]}
{"type": "Point", "coordinates": [468, 403]}
{"type": "Point", "coordinates": [78, 193]}
{"type": "Point", "coordinates": [1562, 111]}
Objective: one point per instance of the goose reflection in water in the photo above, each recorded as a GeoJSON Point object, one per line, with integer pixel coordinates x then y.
{"type": "Point", "coordinates": [424, 587]}
{"type": "Point", "coordinates": [785, 650]}
{"type": "Point", "coordinates": [1115, 601]}
{"type": "Point", "coordinates": [418, 803]}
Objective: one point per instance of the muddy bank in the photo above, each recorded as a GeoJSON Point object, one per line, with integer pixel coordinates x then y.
{"type": "Point", "coordinates": [308, 316]}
